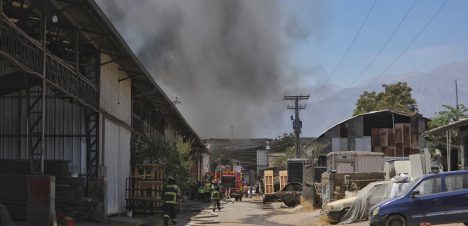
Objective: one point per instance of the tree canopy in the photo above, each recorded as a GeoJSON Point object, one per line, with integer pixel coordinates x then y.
{"type": "Point", "coordinates": [394, 97]}
{"type": "Point", "coordinates": [448, 115]}
{"type": "Point", "coordinates": [175, 157]}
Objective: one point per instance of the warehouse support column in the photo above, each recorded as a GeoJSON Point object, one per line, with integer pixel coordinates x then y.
{"type": "Point", "coordinates": [464, 147]}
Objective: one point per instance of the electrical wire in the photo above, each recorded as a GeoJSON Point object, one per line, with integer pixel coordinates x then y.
{"type": "Point", "coordinates": [385, 44]}
{"type": "Point", "coordinates": [412, 41]}
{"type": "Point", "coordinates": [352, 42]}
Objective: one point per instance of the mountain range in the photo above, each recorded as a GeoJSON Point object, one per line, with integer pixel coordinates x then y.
{"type": "Point", "coordinates": [431, 89]}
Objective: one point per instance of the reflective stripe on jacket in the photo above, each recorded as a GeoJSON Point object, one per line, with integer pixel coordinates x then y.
{"type": "Point", "coordinates": [170, 194]}
{"type": "Point", "coordinates": [215, 195]}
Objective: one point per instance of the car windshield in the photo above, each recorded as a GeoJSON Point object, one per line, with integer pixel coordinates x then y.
{"type": "Point", "coordinates": [408, 187]}
{"type": "Point", "coordinates": [364, 190]}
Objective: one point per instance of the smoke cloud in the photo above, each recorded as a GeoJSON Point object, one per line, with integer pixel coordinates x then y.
{"type": "Point", "coordinates": [228, 61]}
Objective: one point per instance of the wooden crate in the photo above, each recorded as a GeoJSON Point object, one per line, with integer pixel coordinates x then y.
{"type": "Point", "coordinates": [283, 178]}
{"type": "Point", "coordinates": [268, 179]}
{"type": "Point", "coordinates": [146, 188]}
{"type": "Point", "coordinates": [149, 172]}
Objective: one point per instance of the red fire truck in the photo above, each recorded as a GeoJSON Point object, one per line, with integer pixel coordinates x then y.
{"type": "Point", "coordinates": [231, 181]}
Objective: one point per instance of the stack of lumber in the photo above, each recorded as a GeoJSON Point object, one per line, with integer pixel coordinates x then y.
{"type": "Point", "coordinates": [146, 187]}
{"type": "Point", "coordinates": [14, 194]}
{"type": "Point", "coordinates": [68, 195]}
{"type": "Point", "coordinates": [57, 168]}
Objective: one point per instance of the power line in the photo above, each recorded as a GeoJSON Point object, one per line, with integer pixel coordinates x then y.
{"type": "Point", "coordinates": [352, 42]}
{"type": "Point", "coordinates": [412, 41]}
{"type": "Point", "coordinates": [386, 43]}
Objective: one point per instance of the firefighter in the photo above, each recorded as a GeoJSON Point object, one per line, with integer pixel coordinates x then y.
{"type": "Point", "coordinates": [171, 195]}
{"type": "Point", "coordinates": [215, 195]}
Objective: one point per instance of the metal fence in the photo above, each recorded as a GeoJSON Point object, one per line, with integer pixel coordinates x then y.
{"type": "Point", "coordinates": [28, 54]}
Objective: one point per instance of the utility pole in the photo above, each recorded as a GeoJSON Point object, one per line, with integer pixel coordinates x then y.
{"type": "Point", "coordinates": [457, 117]}
{"type": "Point", "coordinates": [297, 123]}
{"type": "Point", "coordinates": [232, 132]}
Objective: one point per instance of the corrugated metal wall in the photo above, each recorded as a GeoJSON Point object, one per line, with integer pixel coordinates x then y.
{"type": "Point", "coordinates": [115, 96]}
{"type": "Point", "coordinates": [65, 136]}
{"type": "Point", "coordinates": [117, 162]}
{"type": "Point", "coordinates": [262, 158]}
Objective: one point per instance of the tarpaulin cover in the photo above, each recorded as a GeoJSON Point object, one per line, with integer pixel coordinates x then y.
{"type": "Point", "coordinates": [372, 194]}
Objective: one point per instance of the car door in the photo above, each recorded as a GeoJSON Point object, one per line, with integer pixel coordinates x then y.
{"type": "Point", "coordinates": [427, 206]}
{"type": "Point", "coordinates": [456, 197]}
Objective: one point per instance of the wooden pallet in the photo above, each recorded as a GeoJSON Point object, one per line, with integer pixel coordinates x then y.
{"type": "Point", "coordinates": [268, 179]}
{"type": "Point", "coordinates": [283, 178]}
{"type": "Point", "coordinates": [149, 172]}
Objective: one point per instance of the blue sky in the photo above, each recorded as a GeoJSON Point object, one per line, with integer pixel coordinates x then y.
{"type": "Point", "coordinates": [444, 41]}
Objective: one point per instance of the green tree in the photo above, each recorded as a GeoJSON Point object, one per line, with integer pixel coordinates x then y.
{"type": "Point", "coordinates": [289, 152]}
{"type": "Point", "coordinates": [448, 115]}
{"type": "Point", "coordinates": [176, 158]}
{"type": "Point", "coordinates": [394, 97]}
{"type": "Point", "coordinates": [283, 143]}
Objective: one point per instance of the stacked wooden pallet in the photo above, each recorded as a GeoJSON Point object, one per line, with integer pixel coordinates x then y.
{"type": "Point", "coordinates": [145, 188]}
{"type": "Point", "coordinates": [68, 196]}
{"type": "Point", "coordinates": [14, 194]}
{"type": "Point", "coordinates": [57, 168]}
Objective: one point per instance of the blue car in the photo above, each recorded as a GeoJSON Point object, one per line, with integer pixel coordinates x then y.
{"type": "Point", "coordinates": [436, 198]}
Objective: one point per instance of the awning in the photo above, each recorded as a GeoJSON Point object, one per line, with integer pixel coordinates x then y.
{"type": "Point", "coordinates": [451, 126]}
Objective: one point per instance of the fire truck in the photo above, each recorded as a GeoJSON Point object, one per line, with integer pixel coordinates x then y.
{"type": "Point", "coordinates": [231, 181]}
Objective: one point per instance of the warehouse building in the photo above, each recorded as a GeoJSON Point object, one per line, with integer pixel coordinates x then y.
{"type": "Point", "coordinates": [75, 101]}
{"type": "Point", "coordinates": [394, 133]}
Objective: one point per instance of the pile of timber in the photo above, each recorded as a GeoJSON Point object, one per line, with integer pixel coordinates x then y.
{"type": "Point", "coordinates": [69, 191]}
{"type": "Point", "coordinates": [145, 189]}
{"type": "Point", "coordinates": [14, 194]}
{"type": "Point", "coordinates": [57, 168]}
{"type": "Point", "coordinates": [69, 196]}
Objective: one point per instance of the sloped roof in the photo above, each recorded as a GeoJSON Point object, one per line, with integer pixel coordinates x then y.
{"type": "Point", "coordinates": [98, 30]}
{"type": "Point", "coordinates": [371, 113]}
{"type": "Point", "coordinates": [451, 126]}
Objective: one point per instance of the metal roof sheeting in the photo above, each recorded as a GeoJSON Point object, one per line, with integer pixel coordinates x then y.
{"type": "Point", "coordinates": [451, 126]}
{"type": "Point", "coordinates": [98, 28]}
{"type": "Point", "coordinates": [373, 112]}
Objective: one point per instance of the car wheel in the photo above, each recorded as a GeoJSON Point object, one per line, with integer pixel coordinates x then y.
{"type": "Point", "coordinates": [395, 220]}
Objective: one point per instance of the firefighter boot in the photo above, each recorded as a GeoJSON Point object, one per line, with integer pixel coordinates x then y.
{"type": "Point", "coordinates": [174, 221]}
{"type": "Point", "coordinates": [166, 220]}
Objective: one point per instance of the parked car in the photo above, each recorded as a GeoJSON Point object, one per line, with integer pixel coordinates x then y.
{"type": "Point", "coordinates": [290, 195]}
{"type": "Point", "coordinates": [360, 202]}
{"type": "Point", "coordinates": [437, 198]}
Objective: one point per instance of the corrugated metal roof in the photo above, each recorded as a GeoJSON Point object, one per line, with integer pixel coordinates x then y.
{"type": "Point", "coordinates": [354, 153]}
{"type": "Point", "coordinates": [370, 113]}
{"type": "Point", "coordinates": [451, 126]}
{"type": "Point", "coordinates": [94, 25]}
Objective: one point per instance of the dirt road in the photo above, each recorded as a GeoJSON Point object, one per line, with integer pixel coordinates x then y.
{"type": "Point", "coordinates": [249, 212]}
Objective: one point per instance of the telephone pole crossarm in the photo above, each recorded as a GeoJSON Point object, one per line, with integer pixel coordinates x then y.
{"type": "Point", "coordinates": [297, 123]}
